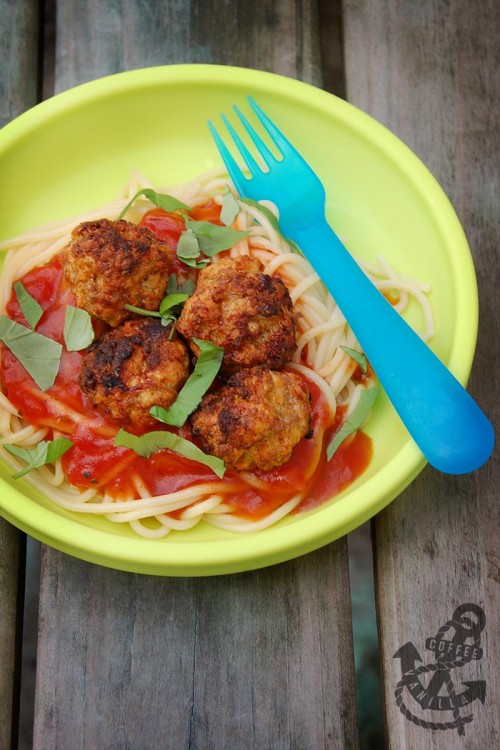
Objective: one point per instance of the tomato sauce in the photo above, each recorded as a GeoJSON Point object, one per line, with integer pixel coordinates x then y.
{"type": "Point", "coordinates": [94, 460]}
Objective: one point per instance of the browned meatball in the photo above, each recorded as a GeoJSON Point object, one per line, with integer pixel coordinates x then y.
{"type": "Point", "coordinates": [131, 368]}
{"type": "Point", "coordinates": [243, 310]}
{"type": "Point", "coordinates": [255, 420]}
{"type": "Point", "coordinates": [108, 264]}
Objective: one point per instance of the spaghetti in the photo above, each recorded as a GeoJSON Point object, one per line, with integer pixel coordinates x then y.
{"type": "Point", "coordinates": [185, 496]}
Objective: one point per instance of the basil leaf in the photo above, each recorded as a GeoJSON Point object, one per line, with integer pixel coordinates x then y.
{"type": "Point", "coordinates": [188, 249]}
{"type": "Point", "coordinates": [142, 311]}
{"type": "Point", "coordinates": [356, 356]}
{"type": "Point", "coordinates": [206, 368]}
{"type": "Point", "coordinates": [46, 452]}
{"type": "Point", "coordinates": [354, 421]}
{"type": "Point", "coordinates": [151, 442]}
{"type": "Point", "coordinates": [187, 287]}
{"type": "Point", "coordinates": [273, 221]}
{"type": "Point", "coordinates": [230, 208]}
{"type": "Point", "coordinates": [167, 202]}
{"type": "Point", "coordinates": [78, 332]}
{"type": "Point", "coordinates": [30, 308]}
{"type": "Point", "coordinates": [212, 238]}
{"type": "Point", "coordinates": [171, 301]}
{"type": "Point", "coordinates": [175, 297]}
{"type": "Point", "coordinates": [39, 355]}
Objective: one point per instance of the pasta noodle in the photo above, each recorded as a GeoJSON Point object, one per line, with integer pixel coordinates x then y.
{"type": "Point", "coordinates": [319, 357]}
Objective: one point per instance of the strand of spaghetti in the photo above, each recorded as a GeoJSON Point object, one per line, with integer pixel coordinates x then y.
{"type": "Point", "coordinates": [26, 436]}
{"type": "Point", "coordinates": [387, 271]}
{"type": "Point", "coordinates": [304, 286]}
{"type": "Point", "coordinates": [233, 523]}
{"type": "Point", "coordinates": [420, 297]}
{"type": "Point", "coordinates": [66, 496]}
{"type": "Point", "coordinates": [204, 506]}
{"type": "Point", "coordinates": [147, 533]}
{"type": "Point", "coordinates": [170, 501]}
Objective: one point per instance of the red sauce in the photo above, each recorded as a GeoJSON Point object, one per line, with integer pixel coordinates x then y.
{"type": "Point", "coordinates": [95, 461]}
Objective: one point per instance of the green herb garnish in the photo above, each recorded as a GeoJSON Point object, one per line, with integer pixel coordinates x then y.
{"type": "Point", "coordinates": [171, 303]}
{"type": "Point", "coordinates": [39, 355]}
{"type": "Point", "coordinates": [30, 308]}
{"type": "Point", "coordinates": [188, 249]}
{"type": "Point", "coordinates": [354, 421]}
{"type": "Point", "coordinates": [206, 368]}
{"type": "Point", "coordinates": [151, 442]}
{"type": "Point", "coordinates": [212, 238]}
{"type": "Point", "coordinates": [230, 208]}
{"type": "Point", "coordinates": [167, 202]}
{"type": "Point", "coordinates": [78, 331]}
{"type": "Point", "coordinates": [207, 238]}
{"type": "Point", "coordinates": [46, 452]}
{"type": "Point", "coordinates": [357, 357]}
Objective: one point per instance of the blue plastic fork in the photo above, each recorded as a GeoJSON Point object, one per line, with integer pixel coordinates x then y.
{"type": "Point", "coordinates": [453, 433]}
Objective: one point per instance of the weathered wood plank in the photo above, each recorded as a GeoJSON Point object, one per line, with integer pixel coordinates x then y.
{"type": "Point", "coordinates": [18, 91]}
{"type": "Point", "coordinates": [257, 660]}
{"type": "Point", "coordinates": [430, 72]}
{"type": "Point", "coordinates": [12, 554]}
{"type": "Point", "coordinates": [113, 36]}
{"type": "Point", "coordinates": [252, 660]}
{"type": "Point", "coordinates": [19, 57]}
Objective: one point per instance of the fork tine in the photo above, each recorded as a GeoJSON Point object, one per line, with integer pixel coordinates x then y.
{"type": "Point", "coordinates": [250, 161]}
{"type": "Point", "coordinates": [232, 167]}
{"type": "Point", "coordinates": [263, 150]}
{"type": "Point", "coordinates": [276, 135]}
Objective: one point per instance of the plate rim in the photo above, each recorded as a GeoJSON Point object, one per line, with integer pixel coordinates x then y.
{"type": "Point", "coordinates": [176, 563]}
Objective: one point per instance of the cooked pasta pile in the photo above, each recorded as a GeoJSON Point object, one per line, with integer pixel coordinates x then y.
{"type": "Point", "coordinates": [319, 357]}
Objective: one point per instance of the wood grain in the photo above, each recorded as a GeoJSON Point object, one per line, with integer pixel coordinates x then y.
{"type": "Point", "coordinates": [252, 660]}
{"type": "Point", "coordinates": [20, 62]}
{"type": "Point", "coordinates": [431, 72]}
{"type": "Point", "coordinates": [258, 660]}
{"type": "Point", "coordinates": [18, 91]}
{"type": "Point", "coordinates": [273, 35]}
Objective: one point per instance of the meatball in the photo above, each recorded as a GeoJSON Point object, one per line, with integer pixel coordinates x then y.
{"type": "Point", "coordinates": [255, 420]}
{"type": "Point", "coordinates": [108, 264]}
{"type": "Point", "coordinates": [243, 310]}
{"type": "Point", "coordinates": [131, 368]}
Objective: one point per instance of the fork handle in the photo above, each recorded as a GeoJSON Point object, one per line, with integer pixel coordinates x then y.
{"type": "Point", "coordinates": [446, 423]}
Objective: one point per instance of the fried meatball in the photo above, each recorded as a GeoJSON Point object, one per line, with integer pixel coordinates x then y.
{"type": "Point", "coordinates": [131, 368]}
{"type": "Point", "coordinates": [108, 264]}
{"type": "Point", "coordinates": [243, 310]}
{"type": "Point", "coordinates": [255, 420]}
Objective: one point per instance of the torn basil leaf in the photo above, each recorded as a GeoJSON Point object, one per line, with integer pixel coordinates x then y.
{"type": "Point", "coordinates": [230, 208]}
{"type": "Point", "coordinates": [187, 287]}
{"type": "Point", "coordinates": [142, 311]}
{"type": "Point", "coordinates": [174, 298]}
{"type": "Point", "coordinates": [39, 355]}
{"type": "Point", "coordinates": [167, 202]}
{"type": "Point", "coordinates": [188, 249]}
{"type": "Point", "coordinates": [212, 238]}
{"type": "Point", "coordinates": [78, 332]}
{"type": "Point", "coordinates": [206, 368]}
{"type": "Point", "coordinates": [151, 442]}
{"type": "Point", "coordinates": [358, 357]}
{"type": "Point", "coordinates": [355, 420]}
{"type": "Point", "coordinates": [171, 301]}
{"type": "Point", "coordinates": [30, 308]}
{"type": "Point", "coordinates": [46, 452]}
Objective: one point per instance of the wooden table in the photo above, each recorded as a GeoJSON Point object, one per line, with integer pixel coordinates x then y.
{"type": "Point", "coordinates": [264, 660]}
